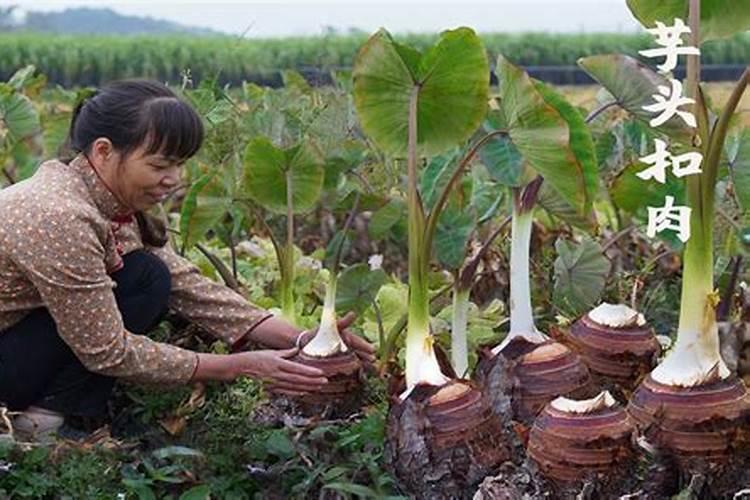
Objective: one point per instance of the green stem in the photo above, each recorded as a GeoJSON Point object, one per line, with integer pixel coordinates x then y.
{"type": "Point", "coordinates": [421, 364]}
{"type": "Point", "coordinates": [695, 358]}
{"type": "Point", "coordinates": [459, 342]}
{"type": "Point", "coordinates": [288, 309]}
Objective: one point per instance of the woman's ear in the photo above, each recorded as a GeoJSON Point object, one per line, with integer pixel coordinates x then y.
{"type": "Point", "coordinates": [102, 152]}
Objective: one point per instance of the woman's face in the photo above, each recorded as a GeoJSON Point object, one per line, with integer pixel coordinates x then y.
{"type": "Point", "coordinates": [141, 180]}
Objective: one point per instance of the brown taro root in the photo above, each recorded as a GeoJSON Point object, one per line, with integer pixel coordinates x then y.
{"type": "Point", "coordinates": [572, 440]}
{"type": "Point", "coordinates": [342, 395]}
{"type": "Point", "coordinates": [616, 344]}
{"type": "Point", "coordinates": [709, 421]}
{"type": "Point", "coordinates": [525, 376]}
{"type": "Point", "coordinates": [442, 441]}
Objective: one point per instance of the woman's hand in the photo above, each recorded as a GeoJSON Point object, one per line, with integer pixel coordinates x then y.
{"type": "Point", "coordinates": [272, 367]}
{"type": "Point", "coordinates": [278, 372]}
{"type": "Point", "coordinates": [361, 347]}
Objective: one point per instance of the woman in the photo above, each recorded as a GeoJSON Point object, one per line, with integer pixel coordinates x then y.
{"type": "Point", "coordinates": [83, 276]}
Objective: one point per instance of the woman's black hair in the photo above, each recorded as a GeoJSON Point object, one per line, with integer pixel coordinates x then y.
{"type": "Point", "coordinates": [131, 113]}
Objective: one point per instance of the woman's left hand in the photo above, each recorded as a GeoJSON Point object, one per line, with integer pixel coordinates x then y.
{"type": "Point", "coordinates": [361, 347]}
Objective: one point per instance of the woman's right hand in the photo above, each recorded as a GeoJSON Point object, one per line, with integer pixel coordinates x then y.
{"type": "Point", "coordinates": [272, 367]}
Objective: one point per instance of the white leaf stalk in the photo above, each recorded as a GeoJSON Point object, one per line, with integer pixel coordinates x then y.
{"type": "Point", "coordinates": [327, 341]}
{"type": "Point", "coordinates": [459, 341]}
{"type": "Point", "coordinates": [695, 358]}
{"type": "Point", "coordinates": [521, 313]}
{"type": "Point", "coordinates": [421, 364]}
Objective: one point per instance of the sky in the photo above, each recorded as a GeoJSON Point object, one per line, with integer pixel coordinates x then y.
{"type": "Point", "coordinates": [307, 17]}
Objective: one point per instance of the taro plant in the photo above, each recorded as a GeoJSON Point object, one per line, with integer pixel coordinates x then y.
{"type": "Point", "coordinates": [19, 122]}
{"type": "Point", "coordinates": [693, 374]}
{"type": "Point", "coordinates": [419, 104]}
{"type": "Point", "coordinates": [471, 205]}
{"type": "Point", "coordinates": [283, 181]}
{"type": "Point", "coordinates": [541, 140]}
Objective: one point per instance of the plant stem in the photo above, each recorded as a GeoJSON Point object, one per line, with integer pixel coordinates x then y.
{"type": "Point", "coordinates": [327, 340]}
{"type": "Point", "coordinates": [459, 342]}
{"type": "Point", "coordinates": [695, 358]}
{"type": "Point", "coordinates": [233, 253]}
{"type": "Point", "coordinates": [287, 269]}
{"type": "Point", "coordinates": [601, 109]}
{"type": "Point", "coordinates": [521, 312]}
{"type": "Point", "coordinates": [225, 273]}
{"type": "Point", "coordinates": [421, 363]}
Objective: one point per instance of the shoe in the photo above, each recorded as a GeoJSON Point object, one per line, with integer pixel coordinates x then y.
{"type": "Point", "coordinates": [37, 424]}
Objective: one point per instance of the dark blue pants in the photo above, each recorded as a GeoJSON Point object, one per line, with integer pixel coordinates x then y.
{"type": "Point", "coordinates": [38, 368]}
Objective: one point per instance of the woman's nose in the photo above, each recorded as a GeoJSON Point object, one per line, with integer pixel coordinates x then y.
{"type": "Point", "coordinates": [172, 178]}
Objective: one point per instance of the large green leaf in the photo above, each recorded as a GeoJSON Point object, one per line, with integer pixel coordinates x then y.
{"type": "Point", "coordinates": [738, 153]}
{"type": "Point", "coordinates": [719, 18]}
{"type": "Point", "coordinates": [385, 218]}
{"type": "Point", "coordinates": [204, 206]}
{"type": "Point", "coordinates": [581, 271]}
{"type": "Point", "coordinates": [452, 79]}
{"type": "Point", "coordinates": [357, 288]}
{"type": "Point", "coordinates": [633, 194]}
{"type": "Point", "coordinates": [552, 202]}
{"type": "Point", "coordinates": [454, 229]}
{"type": "Point", "coordinates": [581, 152]}
{"type": "Point", "coordinates": [550, 135]}
{"type": "Point", "coordinates": [500, 156]}
{"type": "Point", "coordinates": [436, 175]}
{"type": "Point", "coordinates": [633, 84]}
{"type": "Point", "coordinates": [267, 169]}
{"type": "Point", "coordinates": [18, 117]}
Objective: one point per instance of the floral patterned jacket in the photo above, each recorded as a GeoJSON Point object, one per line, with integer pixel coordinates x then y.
{"type": "Point", "coordinates": [62, 234]}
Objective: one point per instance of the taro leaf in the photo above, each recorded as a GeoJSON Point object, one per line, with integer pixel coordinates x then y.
{"type": "Point", "coordinates": [22, 77]}
{"type": "Point", "coordinates": [633, 84]}
{"type": "Point", "coordinates": [738, 153]}
{"type": "Point", "coordinates": [719, 18]}
{"type": "Point", "coordinates": [436, 175]}
{"type": "Point", "coordinates": [486, 196]}
{"type": "Point", "coordinates": [340, 238]}
{"type": "Point", "coordinates": [545, 130]}
{"type": "Point", "coordinates": [552, 202]}
{"type": "Point", "coordinates": [454, 228]}
{"type": "Point", "coordinates": [18, 117]}
{"type": "Point", "coordinates": [385, 218]}
{"type": "Point", "coordinates": [266, 169]}
{"type": "Point", "coordinates": [502, 159]}
{"type": "Point", "coordinates": [583, 155]}
{"type": "Point", "coordinates": [349, 156]}
{"type": "Point", "coordinates": [452, 79]}
{"type": "Point", "coordinates": [357, 288]}
{"type": "Point", "coordinates": [205, 204]}
{"type": "Point", "coordinates": [608, 150]}
{"type": "Point", "coordinates": [633, 194]}
{"type": "Point", "coordinates": [581, 270]}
